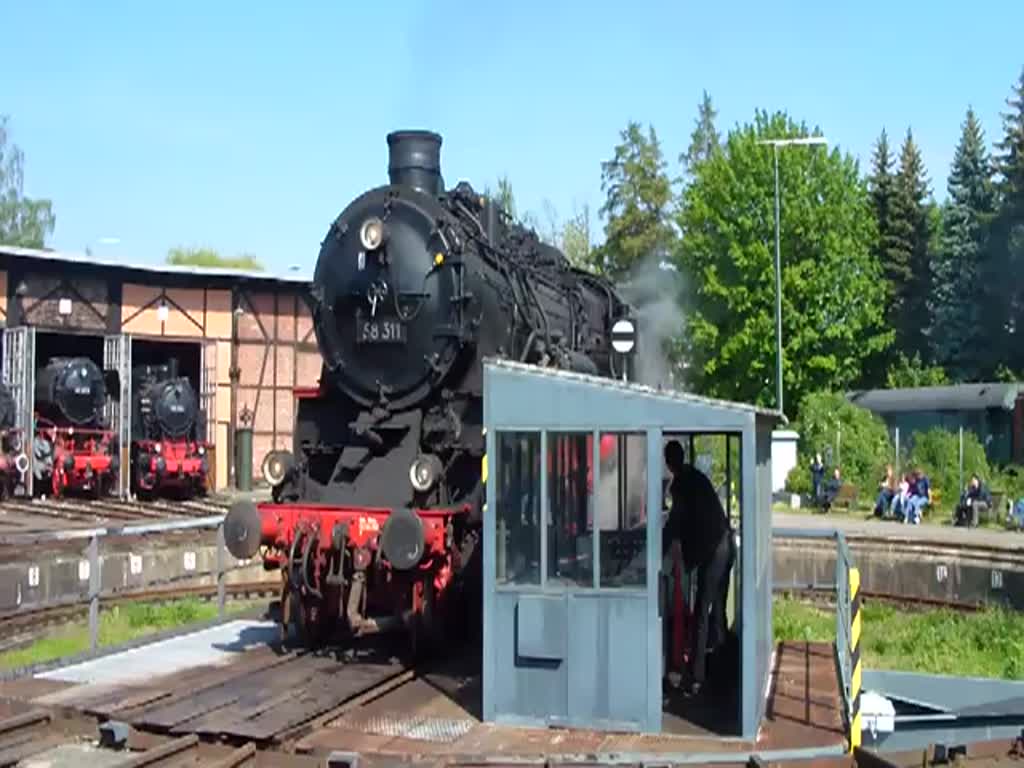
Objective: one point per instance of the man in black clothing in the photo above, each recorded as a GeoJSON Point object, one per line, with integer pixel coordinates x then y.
{"type": "Point", "coordinates": [975, 499]}
{"type": "Point", "coordinates": [702, 528]}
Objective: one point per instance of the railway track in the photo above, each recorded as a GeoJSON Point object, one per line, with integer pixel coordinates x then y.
{"type": "Point", "coordinates": [89, 511]}
{"type": "Point", "coordinates": [36, 738]}
{"type": "Point", "coordinates": [18, 628]}
{"type": "Point", "coordinates": [825, 595]}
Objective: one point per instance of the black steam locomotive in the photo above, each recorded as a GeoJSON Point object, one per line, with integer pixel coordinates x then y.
{"type": "Point", "coordinates": [414, 285]}
{"type": "Point", "coordinates": [169, 450]}
{"type": "Point", "coordinates": [73, 445]}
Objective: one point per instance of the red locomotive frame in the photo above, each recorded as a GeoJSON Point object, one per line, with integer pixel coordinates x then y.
{"type": "Point", "coordinates": [333, 570]}
{"type": "Point", "coordinates": [82, 457]}
{"type": "Point", "coordinates": [172, 463]}
{"type": "Point", "coordinates": [334, 575]}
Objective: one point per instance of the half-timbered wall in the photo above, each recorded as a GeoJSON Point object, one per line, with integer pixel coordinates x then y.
{"type": "Point", "coordinates": [257, 335]}
{"type": "Point", "coordinates": [276, 351]}
{"type": "Point", "coordinates": [87, 301]}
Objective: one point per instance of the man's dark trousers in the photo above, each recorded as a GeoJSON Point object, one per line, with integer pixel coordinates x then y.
{"type": "Point", "coordinates": [712, 592]}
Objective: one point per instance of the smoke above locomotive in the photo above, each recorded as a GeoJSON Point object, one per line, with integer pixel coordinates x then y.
{"type": "Point", "coordinates": [414, 285]}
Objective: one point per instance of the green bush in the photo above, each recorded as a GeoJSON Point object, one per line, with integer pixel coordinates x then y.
{"type": "Point", "coordinates": [864, 446]}
{"type": "Point", "coordinates": [799, 479]}
{"type": "Point", "coordinates": [912, 372]}
{"type": "Point", "coordinates": [937, 452]}
{"type": "Point", "coordinates": [1009, 480]}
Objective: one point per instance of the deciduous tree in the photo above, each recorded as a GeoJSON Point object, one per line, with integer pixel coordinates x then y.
{"type": "Point", "coordinates": [207, 257]}
{"type": "Point", "coordinates": [832, 288]}
{"type": "Point", "coordinates": [24, 221]}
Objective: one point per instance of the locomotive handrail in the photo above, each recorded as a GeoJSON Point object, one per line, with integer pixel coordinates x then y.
{"type": "Point", "coordinates": [841, 588]}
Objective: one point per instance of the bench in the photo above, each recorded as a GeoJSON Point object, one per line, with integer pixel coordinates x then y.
{"type": "Point", "coordinates": [933, 505]}
{"type": "Point", "coordinates": [845, 497]}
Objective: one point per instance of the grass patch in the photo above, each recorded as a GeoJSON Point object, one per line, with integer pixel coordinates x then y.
{"type": "Point", "coordinates": [989, 643]}
{"type": "Point", "coordinates": [120, 624]}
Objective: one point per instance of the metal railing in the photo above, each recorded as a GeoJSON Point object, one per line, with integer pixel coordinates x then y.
{"type": "Point", "coordinates": [95, 594]}
{"type": "Point", "coordinates": [841, 589]}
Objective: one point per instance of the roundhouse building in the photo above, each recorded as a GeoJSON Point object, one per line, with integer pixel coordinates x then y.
{"type": "Point", "coordinates": [245, 339]}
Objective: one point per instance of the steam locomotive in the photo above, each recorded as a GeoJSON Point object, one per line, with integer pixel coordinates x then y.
{"type": "Point", "coordinates": [73, 446]}
{"type": "Point", "coordinates": [376, 514]}
{"type": "Point", "coordinates": [168, 451]}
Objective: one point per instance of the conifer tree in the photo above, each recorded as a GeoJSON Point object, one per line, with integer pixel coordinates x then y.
{"type": "Point", "coordinates": [639, 192]}
{"type": "Point", "coordinates": [1003, 316]}
{"type": "Point", "coordinates": [881, 185]}
{"type": "Point", "coordinates": [909, 252]}
{"type": "Point", "coordinates": [704, 141]}
{"type": "Point", "coordinates": [959, 294]}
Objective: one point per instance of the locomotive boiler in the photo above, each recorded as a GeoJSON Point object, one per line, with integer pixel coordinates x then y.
{"type": "Point", "coordinates": [377, 509]}
{"type": "Point", "coordinates": [169, 450]}
{"type": "Point", "coordinates": [72, 444]}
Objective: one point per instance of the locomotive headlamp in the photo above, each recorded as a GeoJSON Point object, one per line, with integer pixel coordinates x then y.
{"type": "Point", "coordinates": [156, 448]}
{"type": "Point", "coordinates": [423, 472]}
{"type": "Point", "coordinates": [201, 450]}
{"type": "Point", "coordinates": [371, 234]}
{"type": "Point", "coordinates": [276, 465]}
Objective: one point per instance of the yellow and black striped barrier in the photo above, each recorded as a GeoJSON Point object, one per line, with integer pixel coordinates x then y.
{"type": "Point", "coordinates": [483, 473]}
{"type": "Point", "coordinates": [855, 664]}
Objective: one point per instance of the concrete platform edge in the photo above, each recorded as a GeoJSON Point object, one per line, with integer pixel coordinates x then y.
{"type": "Point", "coordinates": [111, 650]}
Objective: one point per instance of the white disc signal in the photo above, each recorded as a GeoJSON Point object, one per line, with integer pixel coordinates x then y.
{"type": "Point", "coordinates": [623, 336]}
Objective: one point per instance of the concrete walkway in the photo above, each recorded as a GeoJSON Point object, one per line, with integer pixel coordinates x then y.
{"type": "Point", "coordinates": [940, 534]}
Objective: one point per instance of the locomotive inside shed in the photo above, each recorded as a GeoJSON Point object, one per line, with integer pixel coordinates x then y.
{"type": "Point", "coordinates": [159, 352]}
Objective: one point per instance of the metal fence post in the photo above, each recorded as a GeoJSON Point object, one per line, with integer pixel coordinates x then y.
{"type": "Point", "coordinates": [897, 475]}
{"type": "Point", "coordinates": [961, 486]}
{"type": "Point", "coordinates": [221, 591]}
{"type": "Point", "coordinates": [94, 592]}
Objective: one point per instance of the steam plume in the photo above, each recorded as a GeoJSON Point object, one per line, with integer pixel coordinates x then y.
{"type": "Point", "coordinates": [654, 289]}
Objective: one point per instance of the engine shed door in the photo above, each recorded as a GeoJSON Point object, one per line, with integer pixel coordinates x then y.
{"type": "Point", "coordinates": [208, 404]}
{"type": "Point", "coordinates": [19, 374]}
{"type": "Point", "coordinates": [117, 356]}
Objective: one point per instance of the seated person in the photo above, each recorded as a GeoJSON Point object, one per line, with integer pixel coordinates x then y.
{"type": "Point", "coordinates": [699, 524]}
{"type": "Point", "coordinates": [831, 490]}
{"type": "Point", "coordinates": [887, 492]}
{"type": "Point", "coordinates": [920, 497]}
{"type": "Point", "coordinates": [899, 501]}
{"type": "Point", "coordinates": [975, 500]}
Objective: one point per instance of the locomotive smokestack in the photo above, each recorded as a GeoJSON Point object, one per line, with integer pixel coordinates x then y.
{"type": "Point", "coordinates": [414, 160]}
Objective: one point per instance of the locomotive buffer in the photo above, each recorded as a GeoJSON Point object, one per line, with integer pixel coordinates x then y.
{"type": "Point", "coordinates": [624, 340]}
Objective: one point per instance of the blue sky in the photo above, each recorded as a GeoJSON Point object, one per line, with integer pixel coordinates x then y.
{"type": "Point", "coordinates": [248, 126]}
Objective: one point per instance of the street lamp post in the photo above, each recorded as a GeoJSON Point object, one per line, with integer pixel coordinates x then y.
{"type": "Point", "coordinates": [776, 143]}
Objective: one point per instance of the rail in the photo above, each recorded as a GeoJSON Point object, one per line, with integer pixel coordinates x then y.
{"type": "Point", "coordinates": [846, 589]}
{"type": "Point", "coordinates": [93, 562]}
